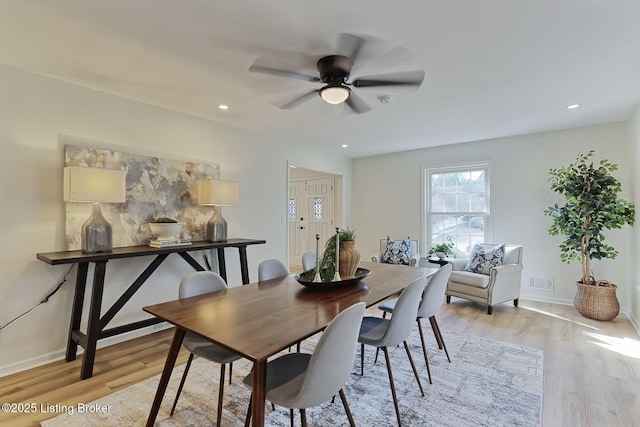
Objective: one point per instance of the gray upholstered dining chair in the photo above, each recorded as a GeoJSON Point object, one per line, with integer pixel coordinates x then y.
{"type": "Point", "coordinates": [430, 304]}
{"type": "Point", "coordinates": [308, 261]}
{"type": "Point", "coordinates": [198, 283]}
{"type": "Point", "coordinates": [272, 269]}
{"type": "Point", "coordinates": [382, 333]}
{"type": "Point", "coordinates": [303, 380]}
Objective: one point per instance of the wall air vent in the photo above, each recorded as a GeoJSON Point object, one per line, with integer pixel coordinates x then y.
{"type": "Point", "coordinates": [541, 283]}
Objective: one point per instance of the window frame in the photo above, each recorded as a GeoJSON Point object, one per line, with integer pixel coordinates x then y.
{"type": "Point", "coordinates": [427, 172]}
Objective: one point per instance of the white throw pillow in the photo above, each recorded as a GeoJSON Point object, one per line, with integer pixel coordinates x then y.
{"type": "Point", "coordinates": [397, 251]}
{"type": "Point", "coordinates": [484, 258]}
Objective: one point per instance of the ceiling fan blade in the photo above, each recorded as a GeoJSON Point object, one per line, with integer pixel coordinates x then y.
{"type": "Point", "coordinates": [282, 73]}
{"type": "Point", "coordinates": [299, 100]}
{"type": "Point", "coordinates": [407, 78]}
{"type": "Point", "coordinates": [350, 45]}
{"type": "Point", "coordinates": [357, 104]}
{"type": "Point", "coordinates": [385, 60]}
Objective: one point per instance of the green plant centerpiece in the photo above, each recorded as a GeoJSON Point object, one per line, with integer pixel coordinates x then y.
{"type": "Point", "coordinates": [444, 248]}
{"type": "Point", "coordinates": [328, 258]}
{"type": "Point", "coordinates": [591, 206]}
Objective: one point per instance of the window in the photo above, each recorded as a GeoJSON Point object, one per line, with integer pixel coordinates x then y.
{"type": "Point", "coordinates": [457, 205]}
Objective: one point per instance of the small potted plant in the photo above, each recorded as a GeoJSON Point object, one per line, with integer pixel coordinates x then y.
{"type": "Point", "coordinates": [591, 206]}
{"type": "Point", "coordinates": [442, 250]}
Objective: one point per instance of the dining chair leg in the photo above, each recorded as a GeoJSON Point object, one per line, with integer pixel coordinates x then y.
{"type": "Point", "coordinates": [413, 366]}
{"type": "Point", "coordinates": [391, 383]}
{"type": "Point", "coordinates": [436, 328]}
{"type": "Point", "coordinates": [347, 410]}
{"type": "Point", "coordinates": [247, 419]}
{"type": "Point", "coordinates": [220, 394]}
{"type": "Point", "coordinates": [230, 371]}
{"type": "Point", "coordinates": [291, 417]}
{"type": "Point", "coordinates": [298, 346]}
{"type": "Point", "coordinates": [435, 333]}
{"type": "Point", "coordinates": [424, 351]}
{"type": "Point", "coordinates": [361, 359]}
{"type": "Point", "coordinates": [303, 417]}
{"type": "Point", "coordinates": [184, 377]}
{"type": "Point", "coordinates": [377, 351]}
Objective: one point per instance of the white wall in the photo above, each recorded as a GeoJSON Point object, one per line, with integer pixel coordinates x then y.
{"type": "Point", "coordinates": [634, 269]}
{"type": "Point", "coordinates": [36, 115]}
{"type": "Point", "coordinates": [387, 199]}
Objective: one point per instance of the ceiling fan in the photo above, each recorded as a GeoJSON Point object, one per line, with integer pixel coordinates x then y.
{"type": "Point", "coordinates": [335, 71]}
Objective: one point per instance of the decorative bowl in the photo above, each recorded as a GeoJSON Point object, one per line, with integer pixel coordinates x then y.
{"type": "Point", "coordinates": [165, 230]}
{"type": "Point", "coordinates": [360, 274]}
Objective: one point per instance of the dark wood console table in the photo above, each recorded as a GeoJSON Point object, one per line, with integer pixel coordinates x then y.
{"type": "Point", "coordinates": [96, 324]}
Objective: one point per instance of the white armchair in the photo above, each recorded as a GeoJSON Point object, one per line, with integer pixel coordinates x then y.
{"type": "Point", "coordinates": [412, 255]}
{"type": "Point", "coordinates": [500, 285]}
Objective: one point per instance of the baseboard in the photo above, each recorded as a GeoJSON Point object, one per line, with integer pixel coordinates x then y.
{"type": "Point", "coordinates": [57, 355]}
{"type": "Point", "coordinates": [552, 300]}
{"type": "Point", "coordinates": [623, 310]}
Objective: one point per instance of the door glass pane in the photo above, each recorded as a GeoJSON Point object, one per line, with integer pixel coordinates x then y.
{"type": "Point", "coordinates": [317, 208]}
{"type": "Point", "coordinates": [292, 209]}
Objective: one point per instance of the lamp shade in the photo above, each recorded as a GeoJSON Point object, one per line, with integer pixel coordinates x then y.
{"type": "Point", "coordinates": [335, 94]}
{"type": "Point", "coordinates": [217, 192]}
{"type": "Point", "coordinates": [84, 184]}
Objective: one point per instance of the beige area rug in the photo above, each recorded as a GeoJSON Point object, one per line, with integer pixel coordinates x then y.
{"type": "Point", "coordinates": [487, 383]}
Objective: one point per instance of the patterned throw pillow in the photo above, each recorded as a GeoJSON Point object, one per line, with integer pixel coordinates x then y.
{"type": "Point", "coordinates": [483, 258]}
{"type": "Point", "coordinates": [397, 252]}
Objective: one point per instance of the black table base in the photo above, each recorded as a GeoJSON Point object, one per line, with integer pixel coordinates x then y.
{"type": "Point", "coordinates": [96, 325]}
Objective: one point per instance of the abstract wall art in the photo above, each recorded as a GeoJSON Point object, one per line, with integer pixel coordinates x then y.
{"type": "Point", "coordinates": [156, 187]}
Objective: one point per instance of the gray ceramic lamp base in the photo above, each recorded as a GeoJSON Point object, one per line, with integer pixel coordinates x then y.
{"type": "Point", "coordinates": [97, 234]}
{"type": "Point", "coordinates": [217, 226]}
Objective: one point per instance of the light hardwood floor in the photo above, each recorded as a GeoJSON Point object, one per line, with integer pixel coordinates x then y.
{"type": "Point", "coordinates": [591, 369]}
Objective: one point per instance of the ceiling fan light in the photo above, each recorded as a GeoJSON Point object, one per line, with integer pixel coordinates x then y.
{"type": "Point", "coordinates": [335, 94]}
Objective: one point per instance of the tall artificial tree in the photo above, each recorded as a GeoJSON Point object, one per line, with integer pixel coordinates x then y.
{"type": "Point", "coordinates": [591, 207]}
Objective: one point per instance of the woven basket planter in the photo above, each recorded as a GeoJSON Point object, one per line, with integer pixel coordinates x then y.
{"type": "Point", "coordinates": [597, 302]}
{"type": "Point", "coordinates": [349, 259]}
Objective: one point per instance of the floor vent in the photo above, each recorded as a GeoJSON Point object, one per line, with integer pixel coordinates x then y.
{"type": "Point", "coordinates": [541, 283]}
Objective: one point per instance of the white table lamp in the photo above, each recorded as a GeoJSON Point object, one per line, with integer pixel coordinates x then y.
{"type": "Point", "coordinates": [217, 193]}
{"type": "Point", "coordinates": [85, 184]}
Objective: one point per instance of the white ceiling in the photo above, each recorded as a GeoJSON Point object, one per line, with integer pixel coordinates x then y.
{"type": "Point", "coordinates": [493, 67]}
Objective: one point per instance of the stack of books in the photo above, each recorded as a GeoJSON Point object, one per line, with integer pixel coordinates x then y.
{"type": "Point", "coordinates": [168, 243]}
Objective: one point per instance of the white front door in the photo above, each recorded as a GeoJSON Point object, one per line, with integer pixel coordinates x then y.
{"type": "Point", "coordinates": [310, 212]}
{"type": "Point", "coordinates": [319, 195]}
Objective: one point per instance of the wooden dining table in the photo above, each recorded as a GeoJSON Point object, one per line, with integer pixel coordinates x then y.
{"type": "Point", "coordinates": [261, 319]}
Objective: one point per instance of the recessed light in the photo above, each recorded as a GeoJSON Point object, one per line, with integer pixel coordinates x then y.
{"type": "Point", "coordinates": [572, 106]}
{"type": "Point", "coordinates": [223, 107]}
{"type": "Point", "coordinates": [344, 145]}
